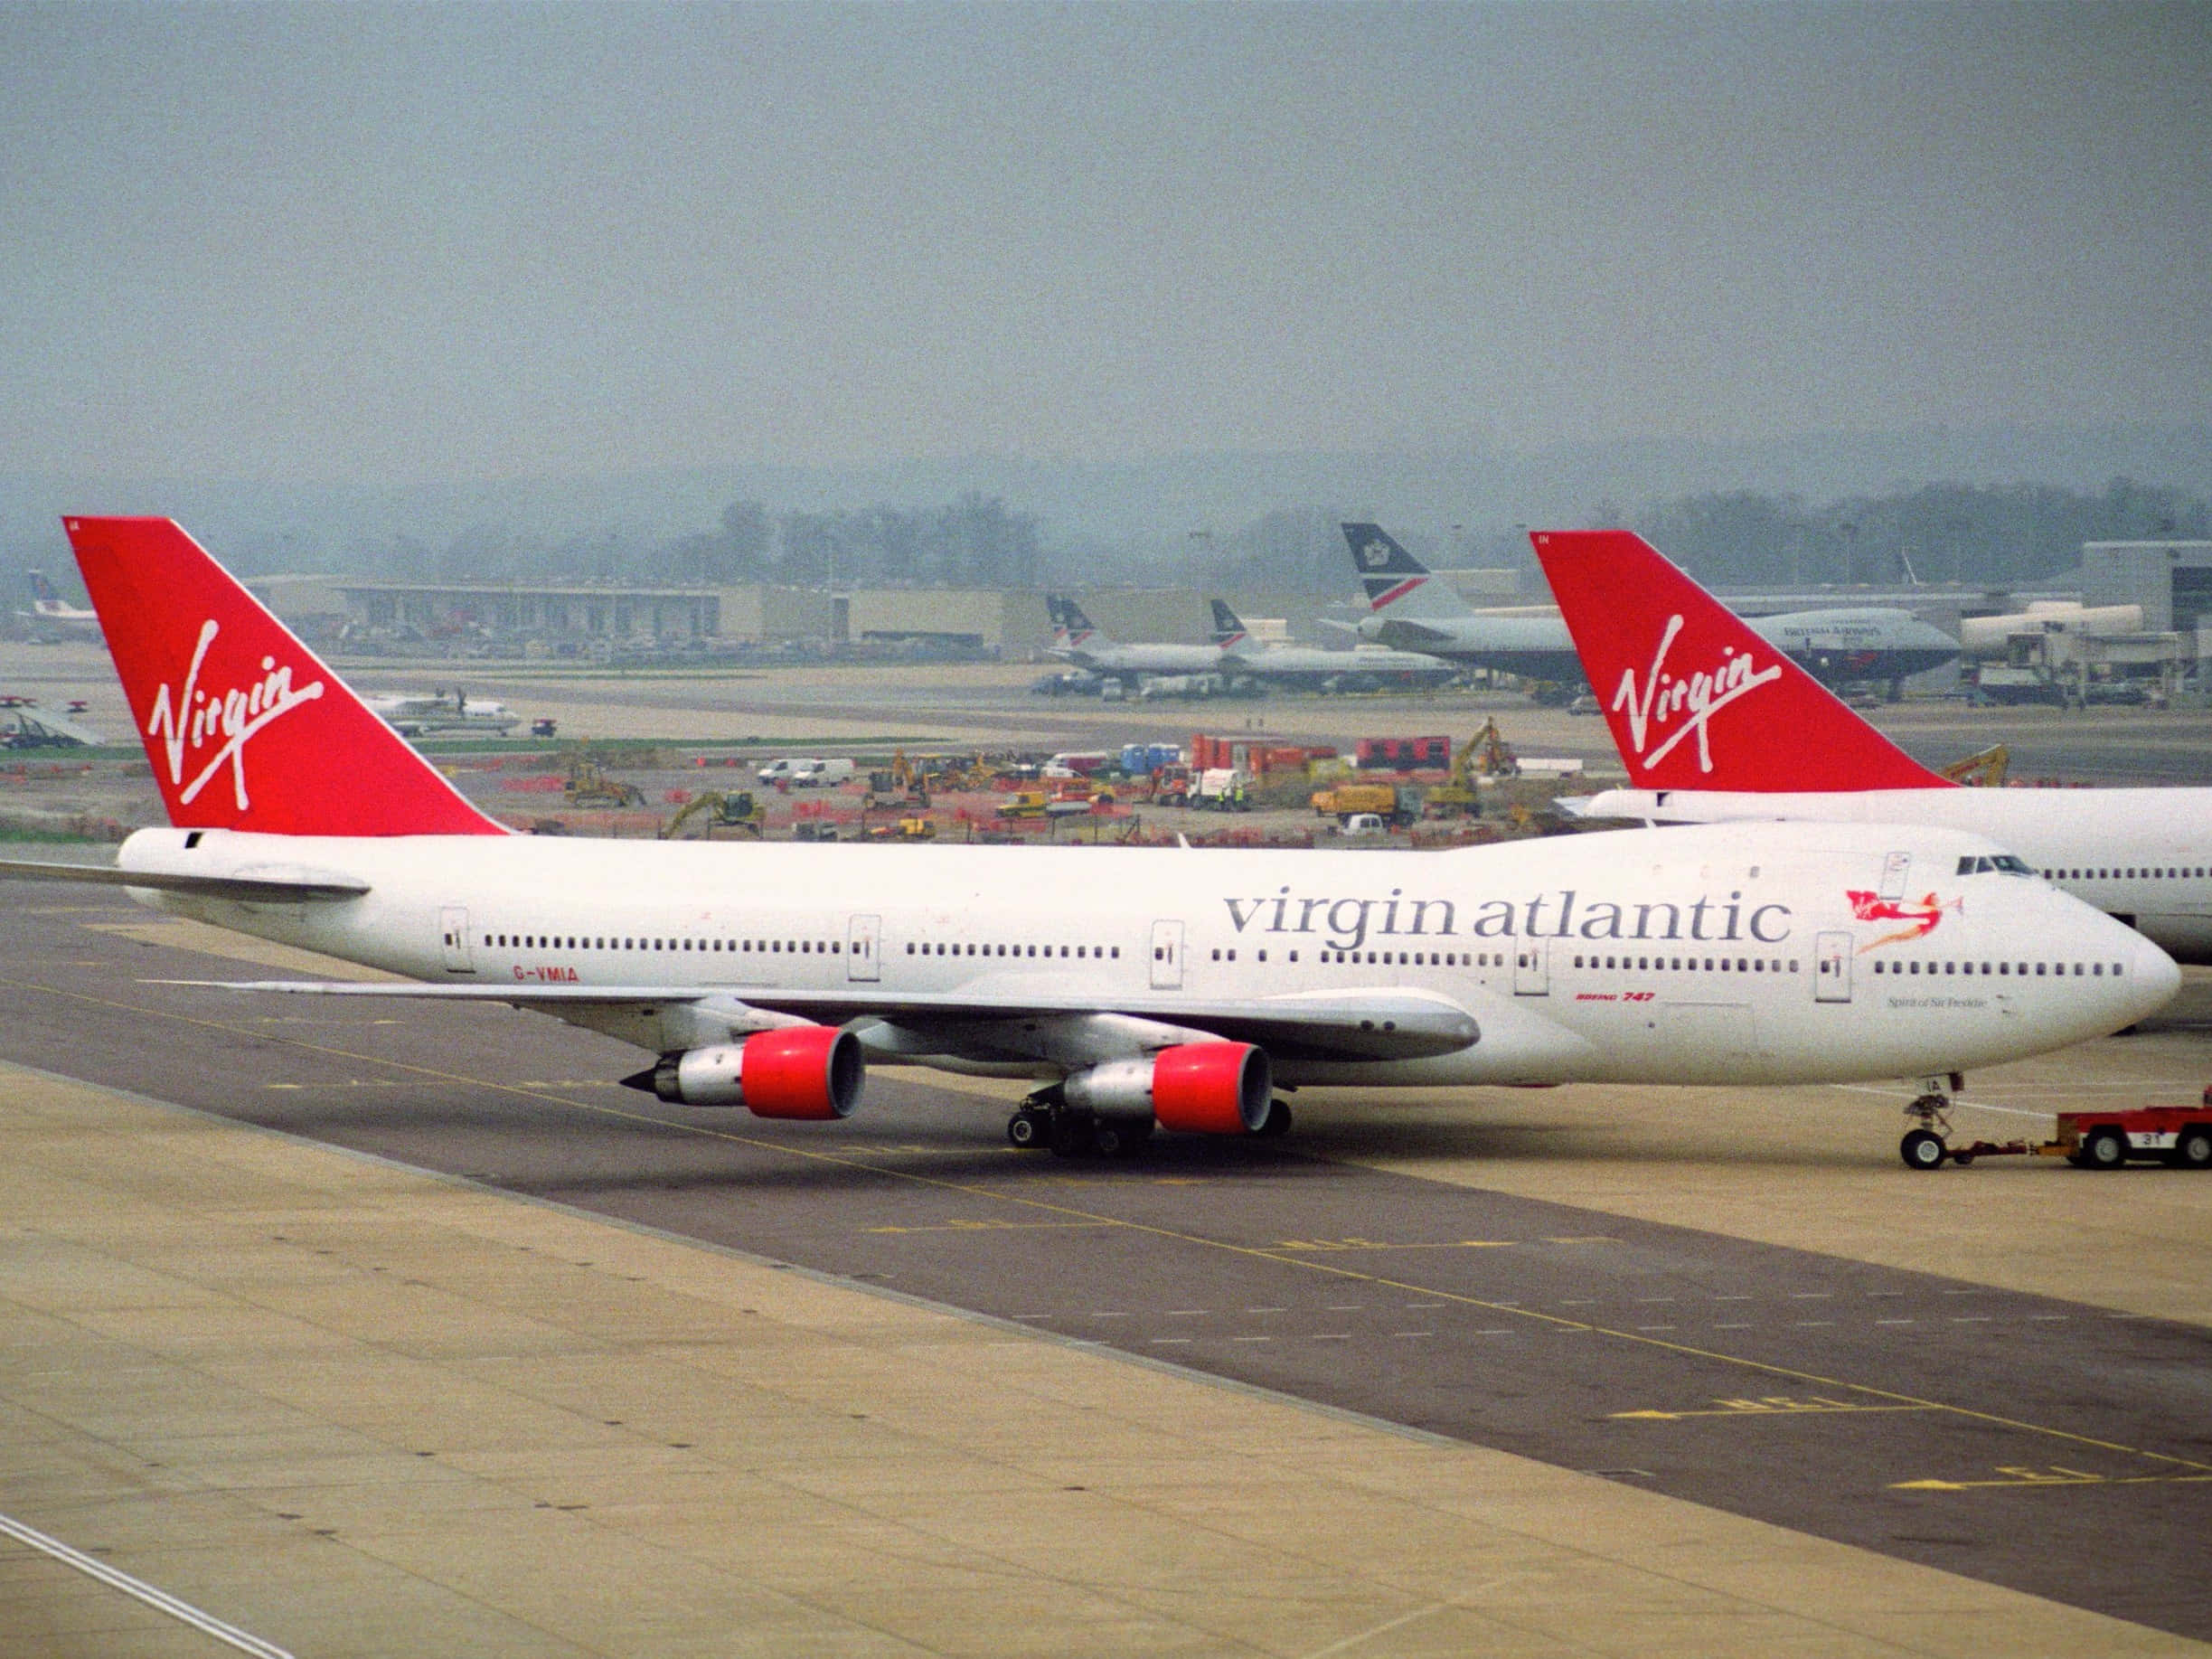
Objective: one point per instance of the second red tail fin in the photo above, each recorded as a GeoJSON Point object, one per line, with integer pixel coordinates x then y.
{"type": "Point", "coordinates": [245, 727]}
{"type": "Point", "coordinates": [1695, 698]}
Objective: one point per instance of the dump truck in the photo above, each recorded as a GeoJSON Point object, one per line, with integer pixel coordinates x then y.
{"type": "Point", "coordinates": [1394, 804]}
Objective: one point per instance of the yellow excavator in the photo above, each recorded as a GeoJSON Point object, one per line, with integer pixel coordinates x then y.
{"type": "Point", "coordinates": [1486, 754]}
{"type": "Point", "coordinates": [1984, 770]}
{"type": "Point", "coordinates": [734, 809]}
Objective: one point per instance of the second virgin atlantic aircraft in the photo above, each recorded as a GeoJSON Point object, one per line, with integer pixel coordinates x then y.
{"type": "Point", "coordinates": [1717, 726]}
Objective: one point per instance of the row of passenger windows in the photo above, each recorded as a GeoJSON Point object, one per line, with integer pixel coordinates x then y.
{"type": "Point", "coordinates": [1689, 965]}
{"type": "Point", "coordinates": [1082, 952]}
{"type": "Point", "coordinates": [558, 941]}
{"type": "Point", "coordinates": [2153, 873]}
{"type": "Point", "coordinates": [1411, 958]}
{"type": "Point", "coordinates": [2019, 970]}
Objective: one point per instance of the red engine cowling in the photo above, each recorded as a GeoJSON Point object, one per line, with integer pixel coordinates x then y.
{"type": "Point", "coordinates": [1212, 1088]}
{"type": "Point", "coordinates": [808, 1071]}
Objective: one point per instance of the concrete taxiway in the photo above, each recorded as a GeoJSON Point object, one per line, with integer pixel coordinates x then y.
{"type": "Point", "coordinates": [1584, 1371]}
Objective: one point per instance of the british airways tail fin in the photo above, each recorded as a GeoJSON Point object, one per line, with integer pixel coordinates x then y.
{"type": "Point", "coordinates": [247, 729]}
{"type": "Point", "coordinates": [1695, 698]}
{"type": "Point", "coordinates": [1229, 628]}
{"type": "Point", "coordinates": [1081, 629]}
{"type": "Point", "coordinates": [1397, 584]}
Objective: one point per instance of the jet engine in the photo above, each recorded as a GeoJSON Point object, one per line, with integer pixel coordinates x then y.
{"type": "Point", "coordinates": [1202, 1088]}
{"type": "Point", "coordinates": [806, 1072]}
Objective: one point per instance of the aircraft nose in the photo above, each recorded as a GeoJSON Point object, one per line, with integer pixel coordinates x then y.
{"type": "Point", "coordinates": [2153, 976]}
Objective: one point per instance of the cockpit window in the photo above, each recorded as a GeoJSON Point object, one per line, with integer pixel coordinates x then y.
{"type": "Point", "coordinates": [2003, 863]}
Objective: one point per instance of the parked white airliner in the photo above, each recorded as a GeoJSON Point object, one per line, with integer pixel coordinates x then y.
{"type": "Point", "coordinates": [1715, 725]}
{"type": "Point", "coordinates": [1136, 987]}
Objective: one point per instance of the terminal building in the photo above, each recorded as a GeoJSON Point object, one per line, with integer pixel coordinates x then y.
{"type": "Point", "coordinates": [596, 618]}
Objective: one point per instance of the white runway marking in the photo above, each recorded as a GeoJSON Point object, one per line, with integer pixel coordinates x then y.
{"type": "Point", "coordinates": [159, 1599]}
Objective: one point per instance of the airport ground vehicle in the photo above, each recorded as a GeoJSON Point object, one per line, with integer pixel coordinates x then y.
{"type": "Point", "coordinates": [1486, 754]}
{"type": "Point", "coordinates": [588, 785]}
{"type": "Point", "coordinates": [2180, 1136]}
{"type": "Point", "coordinates": [1139, 985]}
{"type": "Point", "coordinates": [720, 809]}
{"type": "Point", "coordinates": [1396, 803]}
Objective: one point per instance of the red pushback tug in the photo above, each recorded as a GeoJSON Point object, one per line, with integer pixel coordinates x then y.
{"type": "Point", "coordinates": [2177, 1135]}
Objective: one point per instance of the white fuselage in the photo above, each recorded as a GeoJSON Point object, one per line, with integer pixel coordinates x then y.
{"type": "Point", "coordinates": [2142, 855]}
{"type": "Point", "coordinates": [1142, 659]}
{"type": "Point", "coordinates": [1309, 665]}
{"type": "Point", "coordinates": [1742, 954]}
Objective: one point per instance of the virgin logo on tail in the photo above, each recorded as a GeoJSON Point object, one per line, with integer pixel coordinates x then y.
{"type": "Point", "coordinates": [1663, 696]}
{"type": "Point", "coordinates": [193, 718]}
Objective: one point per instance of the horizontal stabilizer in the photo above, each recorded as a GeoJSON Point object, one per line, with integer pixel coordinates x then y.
{"type": "Point", "coordinates": [270, 887]}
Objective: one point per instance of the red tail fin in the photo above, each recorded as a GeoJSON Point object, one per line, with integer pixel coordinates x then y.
{"type": "Point", "coordinates": [1696, 700]}
{"type": "Point", "coordinates": [245, 727]}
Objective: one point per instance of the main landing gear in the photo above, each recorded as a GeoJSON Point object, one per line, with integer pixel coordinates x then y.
{"type": "Point", "coordinates": [1927, 1143]}
{"type": "Point", "coordinates": [1046, 1121]}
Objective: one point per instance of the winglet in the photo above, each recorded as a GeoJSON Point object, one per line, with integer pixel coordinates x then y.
{"type": "Point", "coordinates": [1697, 700]}
{"type": "Point", "coordinates": [247, 729]}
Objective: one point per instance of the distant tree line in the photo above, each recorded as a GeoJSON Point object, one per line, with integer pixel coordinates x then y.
{"type": "Point", "coordinates": [1994, 534]}
{"type": "Point", "coordinates": [971, 542]}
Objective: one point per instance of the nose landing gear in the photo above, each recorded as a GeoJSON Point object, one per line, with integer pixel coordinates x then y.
{"type": "Point", "coordinates": [1927, 1143]}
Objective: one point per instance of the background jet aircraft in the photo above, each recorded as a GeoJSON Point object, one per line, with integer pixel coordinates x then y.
{"type": "Point", "coordinates": [1409, 609]}
{"type": "Point", "coordinates": [1076, 638]}
{"type": "Point", "coordinates": [1364, 668]}
{"type": "Point", "coordinates": [50, 617]}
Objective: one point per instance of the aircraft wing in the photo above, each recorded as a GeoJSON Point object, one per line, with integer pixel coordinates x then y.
{"type": "Point", "coordinates": [273, 884]}
{"type": "Point", "coordinates": [1381, 1023]}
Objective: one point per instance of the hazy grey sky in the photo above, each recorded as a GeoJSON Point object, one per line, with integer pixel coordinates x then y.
{"type": "Point", "coordinates": [444, 241]}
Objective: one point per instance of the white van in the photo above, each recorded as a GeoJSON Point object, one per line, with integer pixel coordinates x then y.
{"type": "Point", "coordinates": [805, 773]}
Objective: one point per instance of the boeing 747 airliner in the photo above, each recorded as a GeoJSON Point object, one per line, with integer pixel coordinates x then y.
{"type": "Point", "coordinates": [1135, 988]}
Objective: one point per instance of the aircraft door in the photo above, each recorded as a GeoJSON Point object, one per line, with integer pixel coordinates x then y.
{"type": "Point", "coordinates": [1167, 956]}
{"type": "Point", "coordinates": [1895, 869]}
{"type": "Point", "coordinates": [864, 948]}
{"type": "Point", "coordinates": [1831, 967]}
{"type": "Point", "coordinates": [1532, 967]}
{"type": "Point", "coordinates": [453, 933]}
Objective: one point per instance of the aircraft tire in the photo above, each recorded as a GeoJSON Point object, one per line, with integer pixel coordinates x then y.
{"type": "Point", "coordinates": [1028, 1130]}
{"type": "Point", "coordinates": [1921, 1149]}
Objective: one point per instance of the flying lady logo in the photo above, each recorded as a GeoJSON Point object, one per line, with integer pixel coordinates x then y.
{"type": "Point", "coordinates": [1694, 698]}
{"type": "Point", "coordinates": [191, 721]}
{"type": "Point", "coordinates": [1920, 916]}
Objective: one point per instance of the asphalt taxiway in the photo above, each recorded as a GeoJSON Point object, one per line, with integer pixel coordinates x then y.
{"type": "Point", "coordinates": [1725, 1307]}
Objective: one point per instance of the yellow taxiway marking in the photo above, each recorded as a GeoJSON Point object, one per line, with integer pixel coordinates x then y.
{"type": "Point", "coordinates": [1310, 1261]}
{"type": "Point", "coordinates": [986, 1227]}
{"type": "Point", "coordinates": [1773, 1405]}
{"type": "Point", "coordinates": [1371, 1244]}
{"type": "Point", "coordinates": [2016, 1476]}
